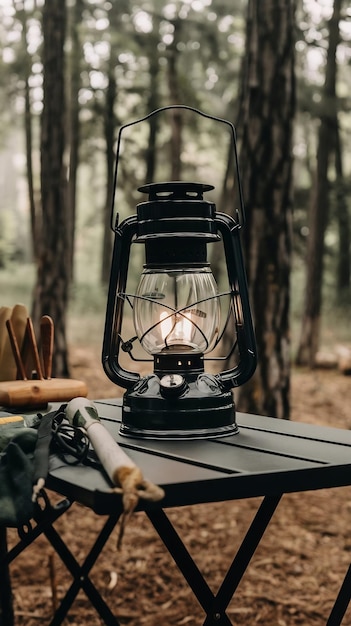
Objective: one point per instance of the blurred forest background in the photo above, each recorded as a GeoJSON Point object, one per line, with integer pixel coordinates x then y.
{"type": "Point", "coordinates": [73, 72]}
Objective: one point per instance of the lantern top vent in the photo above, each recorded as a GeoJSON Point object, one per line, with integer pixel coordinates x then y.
{"type": "Point", "coordinates": [176, 190]}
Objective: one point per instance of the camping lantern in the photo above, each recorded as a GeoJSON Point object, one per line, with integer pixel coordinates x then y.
{"type": "Point", "coordinates": [177, 311]}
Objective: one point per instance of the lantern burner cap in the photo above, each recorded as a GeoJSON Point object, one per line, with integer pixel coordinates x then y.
{"type": "Point", "coordinates": [176, 190]}
{"type": "Point", "coordinates": [176, 209]}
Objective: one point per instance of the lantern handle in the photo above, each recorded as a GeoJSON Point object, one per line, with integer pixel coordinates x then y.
{"type": "Point", "coordinates": [243, 371]}
{"type": "Point", "coordinates": [124, 234]}
{"type": "Point", "coordinates": [241, 218]}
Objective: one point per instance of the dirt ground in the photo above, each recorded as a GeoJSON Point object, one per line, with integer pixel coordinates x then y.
{"type": "Point", "coordinates": [292, 580]}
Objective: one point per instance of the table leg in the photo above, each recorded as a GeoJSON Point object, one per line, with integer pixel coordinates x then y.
{"type": "Point", "coordinates": [243, 557]}
{"type": "Point", "coordinates": [342, 601]}
{"type": "Point", "coordinates": [27, 534]}
{"type": "Point", "coordinates": [80, 573]}
{"type": "Point", "coordinates": [181, 556]}
{"type": "Point", "coordinates": [6, 608]}
{"type": "Point", "coordinates": [215, 605]}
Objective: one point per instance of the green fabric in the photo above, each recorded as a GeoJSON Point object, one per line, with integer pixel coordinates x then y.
{"type": "Point", "coordinates": [24, 457]}
{"type": "Point", "coordinates": [25, 437]}
{"type": "Point", "coordinates": [16, 506]}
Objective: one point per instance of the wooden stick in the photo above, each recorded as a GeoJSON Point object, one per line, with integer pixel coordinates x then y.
{"type": "Point", "coordinates": [123, 472]}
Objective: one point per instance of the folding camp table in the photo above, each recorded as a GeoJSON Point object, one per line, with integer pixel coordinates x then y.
{"type": "Point", "coordinates": [267, 458]}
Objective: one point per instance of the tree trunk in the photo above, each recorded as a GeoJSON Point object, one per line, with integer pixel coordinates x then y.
{"type": "Point", "coordinates": [51, 290]}
{"type": "Point", "coordinates": [22, 14]}
{"type": "Point", "coordinates": [344, 256]}
{"type": "Point", "coordinates": [319, 208]}
{"type": "Point", "coordinates": [73, 126]}
{"type": "Point", "coordinates": [267, 112]}
{"type": "Point", "coordinates": [109, 130]}
{"type": "Point", "coordinates": [29, 161]}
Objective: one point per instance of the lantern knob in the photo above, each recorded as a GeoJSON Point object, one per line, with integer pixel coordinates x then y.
{"type": "Point", "coordinates": [172, 385]}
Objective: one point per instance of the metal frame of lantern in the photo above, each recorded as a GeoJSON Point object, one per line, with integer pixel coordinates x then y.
{"type": "Point", "coordinates": [179, 400]}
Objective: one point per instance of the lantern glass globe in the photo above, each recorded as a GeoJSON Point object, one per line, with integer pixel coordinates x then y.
{"type": "Point", "coordinates": [177, 310]}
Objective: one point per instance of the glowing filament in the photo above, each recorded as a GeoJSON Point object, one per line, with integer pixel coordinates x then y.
{"type": "Point", "coordinates": [176, 327]}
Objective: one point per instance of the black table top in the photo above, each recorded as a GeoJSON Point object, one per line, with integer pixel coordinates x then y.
{"type": "Point", "coordinates": [267, 457]}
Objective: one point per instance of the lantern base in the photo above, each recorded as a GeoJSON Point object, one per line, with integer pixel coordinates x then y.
{"type": "Point", "coordinates": [173, 435]}
{"type": "Point", "coordinates": [198, 409]}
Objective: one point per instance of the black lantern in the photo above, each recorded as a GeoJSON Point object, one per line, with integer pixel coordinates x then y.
{"type": "Point", "coordinates": [177, 310]}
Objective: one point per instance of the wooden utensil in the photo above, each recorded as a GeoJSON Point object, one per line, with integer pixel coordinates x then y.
{"type": "Point", "coordinates": [15, 350]}
{"type": "Point", "coordinates": [47, 344]}
{"type": "Point", "coordinates": [5, 314]}
{"type": "Point", "coordinates": [19, 320]}
{"type": "Point", "coordinates": [34, 348]}
{"type": "Point", "coordinates": [30, 392]}
{"type": "Point", "coordinates": [8, 367]}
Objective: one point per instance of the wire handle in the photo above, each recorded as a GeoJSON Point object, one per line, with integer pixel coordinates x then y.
{"type": "Point", "coordinates": [240, 211]}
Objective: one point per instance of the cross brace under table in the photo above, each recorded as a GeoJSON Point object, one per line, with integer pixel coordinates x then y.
{"type": "Point", "coordinates": [45, 515]}
{"type": "Point", "coordinates": [214, 606]}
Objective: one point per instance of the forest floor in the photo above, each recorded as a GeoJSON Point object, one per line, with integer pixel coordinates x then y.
{"type": "Point", "coordinates": [294, 575]}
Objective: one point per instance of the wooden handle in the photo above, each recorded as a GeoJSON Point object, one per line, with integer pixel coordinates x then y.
{"type": "Point", "coordinates": [110, 454]}
{"type": "Point", "coordinates": [83, 413]}
{"type": "Point", "coordinates": [23, 393]}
